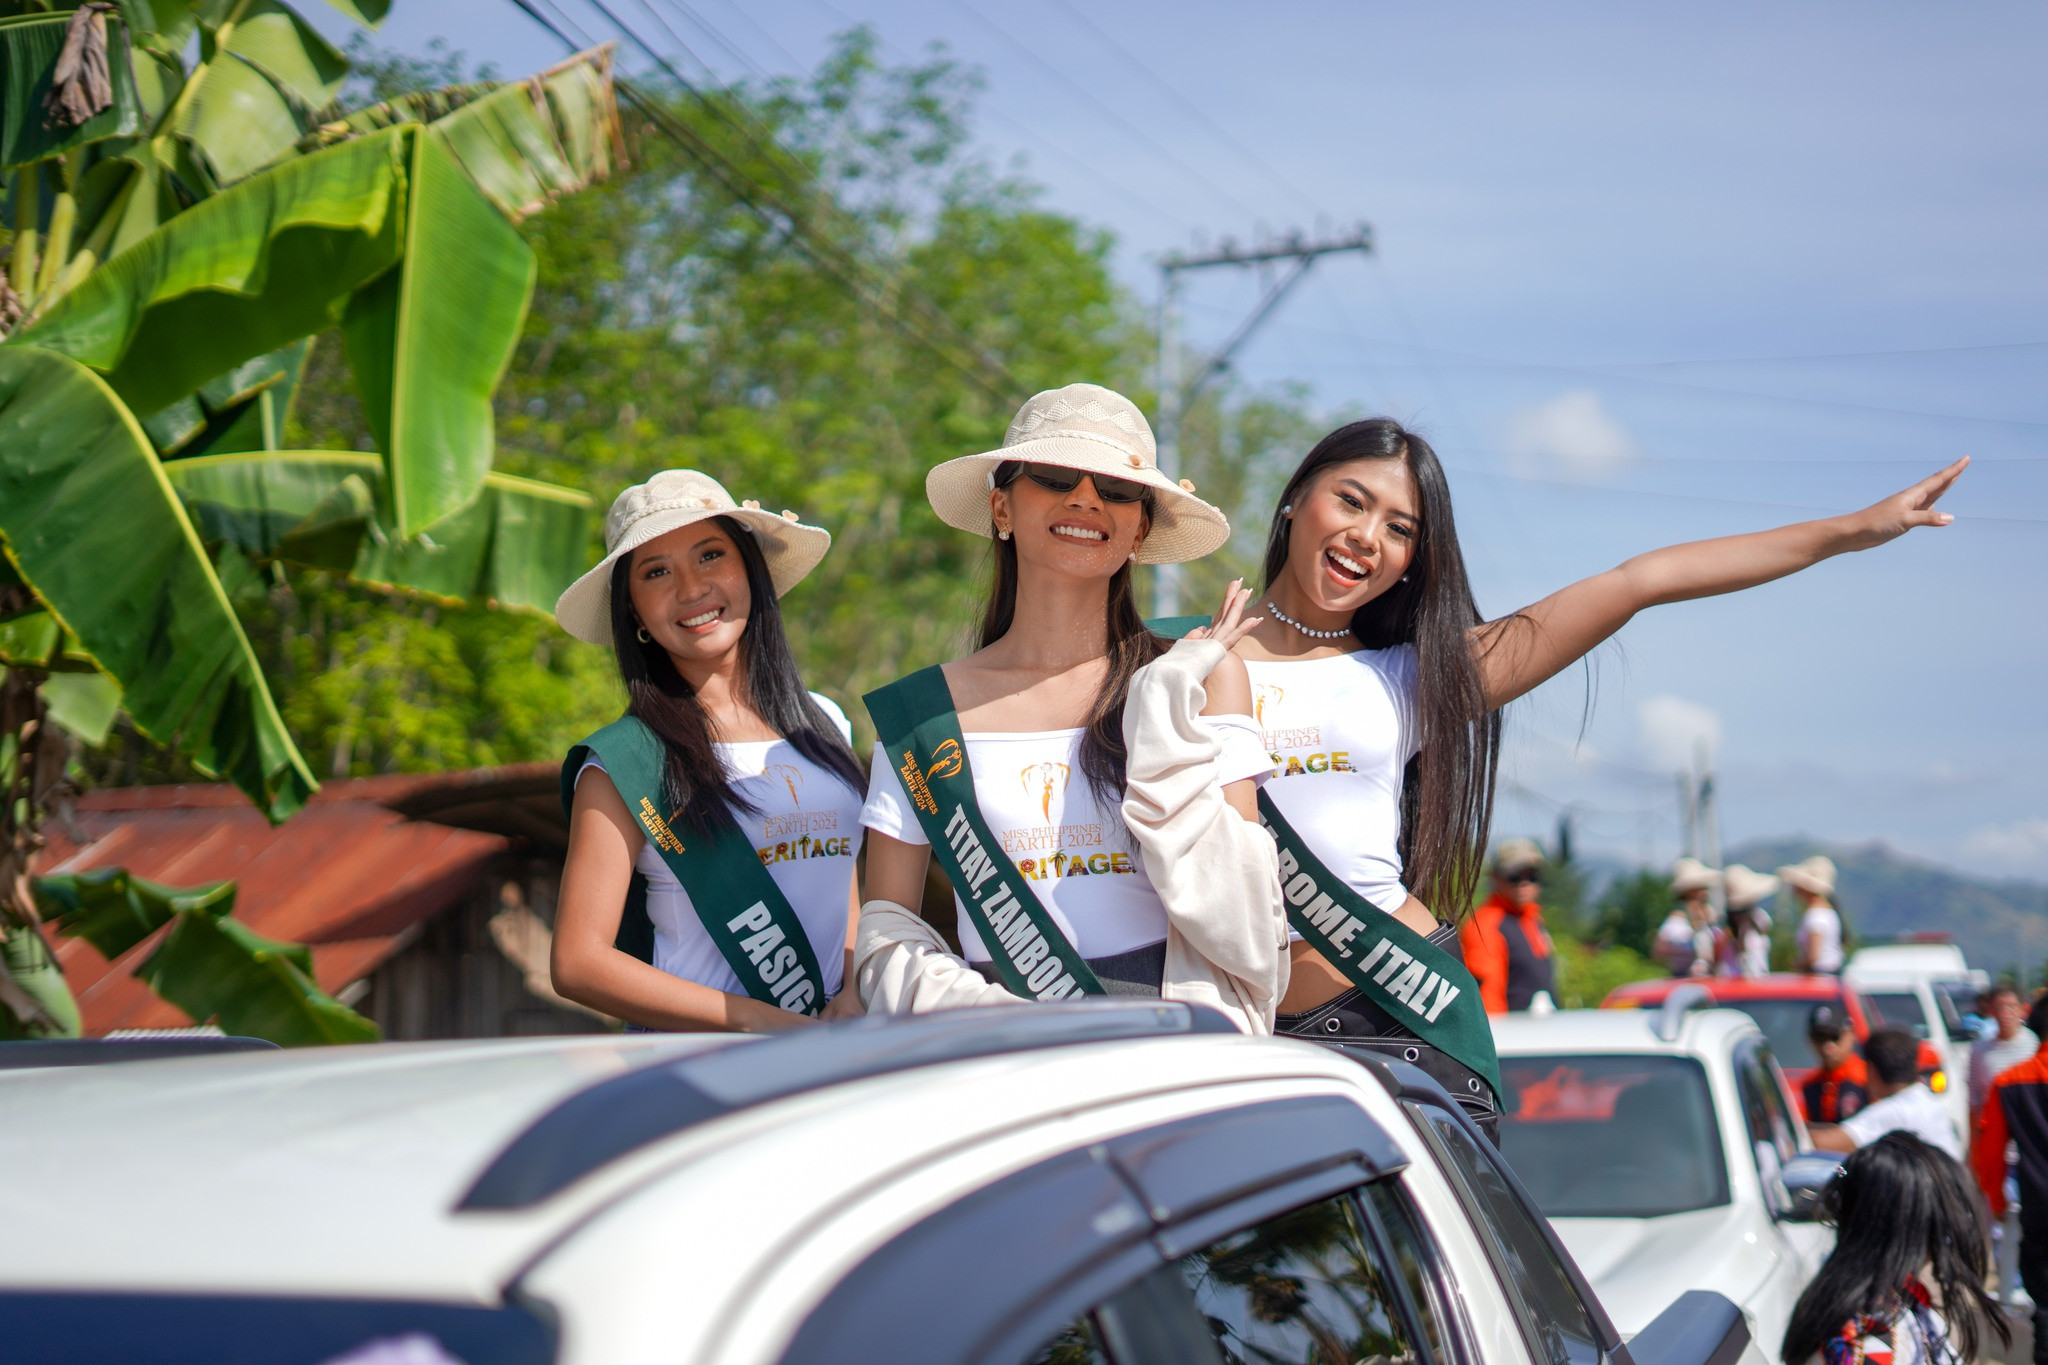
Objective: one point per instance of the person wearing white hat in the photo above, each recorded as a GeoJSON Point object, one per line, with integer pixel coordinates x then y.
{"type": "Point", "coordinates": [713, 829]}
{"type": "Point", "coordinates": [1373, 650]}
{"type": "Point", "coordinates": [1820, 925]}
{"type": "Point", "coordinates": [1749, 924]}
{"type": "Point", "coordinates": [1098, 833]}
{"type": "Point", "coordinates": [1687, 941]}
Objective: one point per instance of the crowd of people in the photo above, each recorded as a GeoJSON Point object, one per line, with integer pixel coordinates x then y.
{"type": "Point", "coordinates": [1278, 812]}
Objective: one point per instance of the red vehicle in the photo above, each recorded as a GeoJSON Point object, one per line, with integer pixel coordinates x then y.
{"type": "Point", "coordinates": [1781, 1003]}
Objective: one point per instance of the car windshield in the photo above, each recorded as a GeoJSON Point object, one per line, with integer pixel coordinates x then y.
{"type": "Point", "coordinates": [1784, 1023]}
{"type": "Point", "coordinates": [1899, 1009]}
{"type": "Point", "coordinates": [1612, 1137]}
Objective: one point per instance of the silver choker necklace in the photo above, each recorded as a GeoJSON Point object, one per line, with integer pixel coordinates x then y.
{"type": "Point", "coordinates": [1284, 619]}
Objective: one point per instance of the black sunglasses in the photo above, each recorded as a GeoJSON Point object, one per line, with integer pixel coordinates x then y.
{"type": "Point", "coordinates": [1536, 877]}
{"type": "Point", "coordinates": [1060, 479]}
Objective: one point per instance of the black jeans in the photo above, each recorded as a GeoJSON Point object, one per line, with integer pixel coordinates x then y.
{"type": "Point", "coordinates": [2034, 1276]}
{"type": "Point", "coordinates": [1351, 1021]}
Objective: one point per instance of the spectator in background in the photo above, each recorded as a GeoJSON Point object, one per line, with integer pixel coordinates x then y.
{"type": "Point", "coordinates": [2010, 1152]}
{"type": "Point", "coordinates": [1688, 943]}
{"type": "Point", "coordinates": [1749, 924]}
{"type": "Point", "coordinates": [1505, 944]}
{"type": "Point", "coordinates": [1842, 1085]}
{"type": "Point", "coordinates": [1899, 1101]}
{"type": "Point", "coordinates": [1819, 934]}
{"type": "Point", "coordinates": [1904, 1284]}
{"type": "Point", "coordinates": [2011, 1044]}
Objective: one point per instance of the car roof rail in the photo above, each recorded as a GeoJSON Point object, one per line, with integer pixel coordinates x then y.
{"type": "Point", "coordinates": [34, 1053]}
{"type": "Point", "coordinates": [1682, 1001]}
{"type": "Point", "coordinates": [604, 1122]}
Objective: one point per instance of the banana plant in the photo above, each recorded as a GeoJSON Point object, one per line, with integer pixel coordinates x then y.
{"type": "Point", "coordinates": [178, 233]}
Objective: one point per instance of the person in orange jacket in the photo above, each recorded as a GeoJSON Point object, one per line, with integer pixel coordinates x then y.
{"type": "Point", "coordinates": [1505, 945]}
{"type": "Point", "coordinates": [2016, 1111]}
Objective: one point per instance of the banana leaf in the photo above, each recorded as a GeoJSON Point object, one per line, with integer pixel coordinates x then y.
{"type": "Point", "coordinates": [27, 961]}
{"type": "Point", "coordinates": [241, 410]}
{"type": "Point", "coordinates": [429, 341]}
{"type": "Point", "coordinates": [251, 269]}
{"type": "Point", "coordinates": [29, 45]}
{"type": "Point", "coordinates": [209, 964]}
{"type": "Point", "coordinates": [90, 520]}
{"type": "Point", "coordinates": [255, 95]}
{"type": "Point", "coordinates": [519, 545]}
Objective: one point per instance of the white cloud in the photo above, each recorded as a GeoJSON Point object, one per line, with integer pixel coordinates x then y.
{"type": "Point", "coordinates": [1673, 728]}
{"type": "Point", "coordinates": [2021, 846]}
{"type": "Point", "coordinates": [1572, 435]}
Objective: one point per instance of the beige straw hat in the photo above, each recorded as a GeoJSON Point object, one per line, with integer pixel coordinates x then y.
{"type": "Point", "coordinates": [1690, 874]}
{"type": "Point", "coordinates": [1815, 875]}
{"type": "Point", "coordinates": [1745, 887]}
{"type": "Point", "coordinates": [673, 499]}
{"type": "Point", "coordinates": [1514, 855]}
{"type": "Point", "coordinates": [1098, 431]}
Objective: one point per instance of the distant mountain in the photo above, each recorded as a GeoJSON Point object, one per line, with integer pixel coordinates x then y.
{"type": "Point", "coordinates": [1883, 893]}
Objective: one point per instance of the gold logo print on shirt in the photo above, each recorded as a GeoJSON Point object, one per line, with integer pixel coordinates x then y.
{"type": "Point", "coordinates": [1262, 695]}
{"type": "Point", "coordinates": [1040, 780]}
{"type": "Point", "coordinates": [791, 777]}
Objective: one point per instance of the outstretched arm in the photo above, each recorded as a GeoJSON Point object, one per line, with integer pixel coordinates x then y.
{"type": "Point", "coordinates": [1515, 653]}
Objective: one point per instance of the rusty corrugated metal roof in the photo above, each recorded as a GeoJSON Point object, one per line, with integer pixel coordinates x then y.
{"type": "Point", "coordinates": [348, 875]}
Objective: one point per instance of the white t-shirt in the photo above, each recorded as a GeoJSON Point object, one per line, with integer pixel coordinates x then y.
{"type": "Point", "coordinates": [1822, 921]}
{"type": "Point", "coordinates": [1076, 856]}
{"type": "Point", "coordinates": [807, 832]}
{"type": "Point", "coordinates": [1340, 731]}
{"type": "Point", "coordinates": [1913, 1110]}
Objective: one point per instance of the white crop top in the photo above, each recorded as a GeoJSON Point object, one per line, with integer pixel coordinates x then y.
{"type": "Point", "coordinates": [807, 832]}
{"type": "Point", "coordinates": [1078, 858]}
{"type": "Point", "coordinates": [1340, 731]}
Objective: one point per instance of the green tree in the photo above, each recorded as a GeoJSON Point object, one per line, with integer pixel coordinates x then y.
{"type": "Point", "coordinates": [177, 234]}
{"type": "Point", "coordinates": [1631, 909]}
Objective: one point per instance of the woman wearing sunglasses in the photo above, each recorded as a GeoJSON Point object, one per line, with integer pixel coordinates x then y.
{"type": "Point", "coordinates": [1086, 789]}
{"type": "Point", "coordinates": [1378, 688]}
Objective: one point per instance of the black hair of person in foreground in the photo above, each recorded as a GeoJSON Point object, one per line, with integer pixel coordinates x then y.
{"type": "Point", "coordinates": [1905, 1216]}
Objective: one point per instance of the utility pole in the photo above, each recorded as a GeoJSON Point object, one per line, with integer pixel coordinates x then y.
{"type": "Point", "coordinates": [1176, 395]}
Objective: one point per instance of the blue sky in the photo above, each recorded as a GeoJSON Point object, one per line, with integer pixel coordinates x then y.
{"type": "Point", "coordinates": [1644, 275]}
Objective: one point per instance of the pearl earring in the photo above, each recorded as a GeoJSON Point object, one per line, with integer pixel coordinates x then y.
{"type": "Point", "coordinates": [1134, 556]}
{"type": "Point", "coordinates": [642, 635]}
{"type": "Point", "coordinates": [1287, 510]}
{"type": "Point", "coordinates": [1002, 535]}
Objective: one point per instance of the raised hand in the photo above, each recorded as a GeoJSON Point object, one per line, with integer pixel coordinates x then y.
{"type": "Point", "coordinates": [1901, 512]}
{"type": "Point", "coordinates": [1229, 624]}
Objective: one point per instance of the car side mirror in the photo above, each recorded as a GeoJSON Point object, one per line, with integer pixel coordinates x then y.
{"type": "Point", "coordinates": [1699, 1328]}
{"type": "Point", "coordinates": [1805, 1177]}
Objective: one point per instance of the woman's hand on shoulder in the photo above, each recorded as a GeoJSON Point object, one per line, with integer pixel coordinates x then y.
{"type": "Point", "coordinates": [1903, 511]}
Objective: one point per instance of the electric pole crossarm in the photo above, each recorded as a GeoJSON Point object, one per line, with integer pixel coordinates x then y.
{"type": "Point", "coordinates": [1221, 360]}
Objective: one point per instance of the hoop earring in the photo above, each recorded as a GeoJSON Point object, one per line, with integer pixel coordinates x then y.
{"type": "Point", "coordinates": [640, 633]}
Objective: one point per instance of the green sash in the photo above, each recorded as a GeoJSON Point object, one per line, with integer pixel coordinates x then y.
{"type": "Point", "coordinates": [764, 943]}
{"type": "Point", "coordinates": [1398, 969]}
{"type": "Point", "coordinates": [920, 732]}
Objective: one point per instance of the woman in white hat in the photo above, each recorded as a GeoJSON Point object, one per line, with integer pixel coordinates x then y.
{"type": "Point", "coordinates": [713, 829]}
{"type": "Point", "coordinates": [1098, 832]}
{"type": "Point", "coordinates": [1819, 933]}
{"type": "Point", "coordinates": [1689, 942]}
{"type": "Point", "coordinates": [1749, 924]}
{"type": "Point", "coordinates": [1379, 685]}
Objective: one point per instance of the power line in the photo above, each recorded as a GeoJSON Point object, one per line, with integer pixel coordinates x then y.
{"type": "Point", "coordinates": [1190, 107]}
{"type": "Point", "coordinates": [835, 260]}
{"type": "Point", "coordinates": [692, 16]}
{"type": "Point", "coordinates": [1090, 97]}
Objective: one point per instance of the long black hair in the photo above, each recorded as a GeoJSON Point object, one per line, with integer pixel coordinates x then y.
{"type": "Point", "coordinates": [694, 781]}
{"type": "Point", "coordinates": [1131, 647]}
{"type": "Point", "coordinates": [1447, 789]}
{"type": "Point", "coordinates": [1898, 1205]}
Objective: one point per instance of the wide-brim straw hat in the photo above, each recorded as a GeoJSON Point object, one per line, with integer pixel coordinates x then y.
{"type": "Point", "coordinates": [1815, 875]}
{"type": "Point", "coordinates": [669, 501]}
{"type": "Point", "coordinates": [1097, 431]}
{"type": "Point", "coordinates": [1690, 874]}
{"type": "Point", "coordinates": [1746, 888]}
{"type": "Point", "coordinates": [1516, 855]}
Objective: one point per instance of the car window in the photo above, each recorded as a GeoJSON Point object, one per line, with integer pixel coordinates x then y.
{"type": "Point", "coordinates": [1612, 1136]}
{"type": "Point", "coordinates": [1772, 1142]}
{"type": "Point", "coordinates": [1312, 1285]}
{"type": "Point", "coordinates": [1557, 1324]}
{"type": "Point", "coordinates": [1899, 1009]}
{"type": "Point", "coordinates": [1784, 1023]}
{"type": "Point", "coordinates": [1951, 1018]}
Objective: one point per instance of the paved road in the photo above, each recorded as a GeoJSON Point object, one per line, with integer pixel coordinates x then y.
{"type": "Point", "coordinates": [2022, 1350]}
